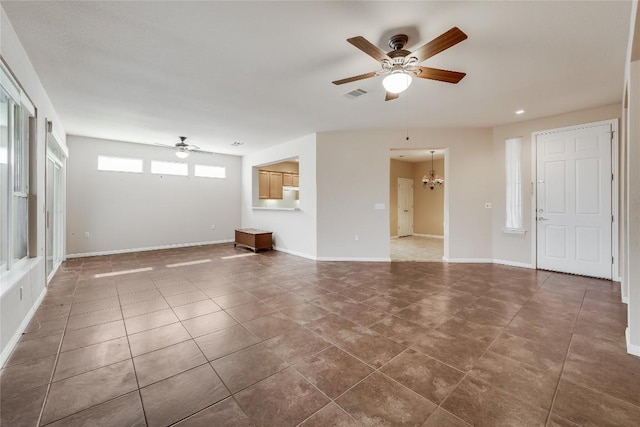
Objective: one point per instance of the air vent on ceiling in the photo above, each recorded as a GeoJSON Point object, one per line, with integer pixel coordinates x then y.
{"type": "Point", "coordinates": [355, 93]}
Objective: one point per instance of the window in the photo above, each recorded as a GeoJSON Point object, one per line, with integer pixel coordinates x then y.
{"type": "Point", "coordinates": [169, 168]}
{"type": "Point", "coordinates": [513, 222]}
{"type": "Point", "coordinates": [16, 112]}
{"type": "Point", "coordinates": [119, 164]}
{"type": "Point", "coordinates": [210, 171]}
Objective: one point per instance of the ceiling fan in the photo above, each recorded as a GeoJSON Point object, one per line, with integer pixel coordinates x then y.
{"type": "Point", "coordinates": [183, 149]}
{"type": "Point", "coordinates": [399, 64]}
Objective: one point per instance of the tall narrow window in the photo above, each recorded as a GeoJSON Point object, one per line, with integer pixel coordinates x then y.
{"type": "Point", "coordinates": [513, 170]}
{"type": "Point", "coordinates": [15, 112]}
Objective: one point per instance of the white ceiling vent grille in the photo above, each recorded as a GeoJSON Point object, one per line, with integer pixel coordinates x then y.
{"type": "Point", "coordinates": [355, 93]}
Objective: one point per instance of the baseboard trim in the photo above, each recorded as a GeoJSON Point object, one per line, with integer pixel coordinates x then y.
{"type": "Point", "coordinates": [514, 264]}
{"type": "Point", "coordinates": [150, 248]}
{"type": "Point", "coordinates": [18, 333]}
{"type": "Point", "coordinates": [432, 236]}
{"type": "Point", "coordinates": [468, 260]}
{"type": "Point", "coordinates": [353, 259]}
{"type": "Point", "coordinates": [631, 348]}
{"type": "Point", "coordinates": [295, 253]}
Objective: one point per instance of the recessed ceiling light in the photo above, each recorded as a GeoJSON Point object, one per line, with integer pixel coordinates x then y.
{"type": "Point", "coordinates": [519, 112]}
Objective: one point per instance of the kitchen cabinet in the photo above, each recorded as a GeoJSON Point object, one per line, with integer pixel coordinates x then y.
{"type": "Point", "coordinates": [269, 185]}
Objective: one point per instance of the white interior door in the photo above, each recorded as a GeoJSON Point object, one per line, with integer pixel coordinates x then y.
{"type": "Point", "coordinates": [405, 207]}
{"type": "Point", "coordinates": [574, 219]}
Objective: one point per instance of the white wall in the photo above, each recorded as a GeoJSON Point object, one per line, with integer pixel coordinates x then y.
{"type": "Point", "coordinates": [353, 176]}
{"type": "Point", "coordinates": [127, 211]}
{"type": "Point", "coordinates": [512, 248]}
{"type": "Point", "coordinates": [15, 312]}
{"type": "Point", "coordinates": [294, 231]}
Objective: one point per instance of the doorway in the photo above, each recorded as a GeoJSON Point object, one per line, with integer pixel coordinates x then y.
{"type": "Point", "coordinates": [416, 212]}
{"type": "Point", "coordinates": [574, 199]}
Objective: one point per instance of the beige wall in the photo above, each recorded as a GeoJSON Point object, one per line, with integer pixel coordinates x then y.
{"type": "Point", "coordinates": [353, 181]}
{"type": "Point", "coordinates": [398, 169]}
{"type": "Point", "coordinates": [428, 205]}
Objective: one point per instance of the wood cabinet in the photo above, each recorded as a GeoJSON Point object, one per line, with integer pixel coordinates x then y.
{"type": "Point", "coordinates": [269, 185]}
{"type": "Point", "coordinates": [275, 185]}
{"type": "Point", "coordinates": [263, 184]}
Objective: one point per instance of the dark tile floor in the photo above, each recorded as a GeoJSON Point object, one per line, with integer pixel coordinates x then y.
{"type": "Point", "coordinates": [272, 339]}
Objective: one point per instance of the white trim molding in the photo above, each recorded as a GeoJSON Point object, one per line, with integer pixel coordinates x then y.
{"type": "Point", "coordinates": [353, 259]}
{"type": "Point", "coordinates": [151, 248]}
{"type": "Point", "coordinates": [514, 263]}
{"type": "Point", "coordinates": [294, 253]}
{"type": "Point", "coordinates": [432, 236]}
{"type": "Point", "coordinates": [18, 333]}
{"type": "Point", "coordinates": [631, 349]}
{"type": "Point", "coordinates": [469, 260]}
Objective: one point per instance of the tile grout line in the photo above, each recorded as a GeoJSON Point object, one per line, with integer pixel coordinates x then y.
{"type": "Point", "coordinates": [55, 364]}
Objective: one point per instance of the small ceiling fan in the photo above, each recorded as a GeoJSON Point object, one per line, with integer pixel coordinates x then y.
{"type": "Point", "coordinates": [183, 149]}
{"type": "Point", "coordinates": [399, 64]}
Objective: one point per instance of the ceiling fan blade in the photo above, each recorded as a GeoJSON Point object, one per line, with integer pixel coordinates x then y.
{"type": "Point", "coordinates": [192, 147]}
{"type": "Point", "coordinates": [437, 45]}
{"type": "Point", "coordinates": [440, 75]}
{"type": "Point", "coordinates": [391, 96]}
{"type": "Point", "coordinates": [355, 78]}
{"type": "Point", "coordinates": [369, 48]}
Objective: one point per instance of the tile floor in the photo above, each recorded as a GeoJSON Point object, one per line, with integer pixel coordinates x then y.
{"type": "Point", "coordinates": [276, 340]}
{"type": "Point", "coordinates": [417, 248]}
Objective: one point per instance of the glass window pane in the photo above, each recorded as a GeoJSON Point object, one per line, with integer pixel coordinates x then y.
{"type": "Point", "coordinates": [210, 171]}
{"type": "Point", "coordinates": [4, 179]}
{"type": "Point", "coordinates": [169, 168]}
{"type": "Point", "coordinates": [21, 227]}
{"type": "Point", "coordinates": [119, 164]}
{"type": "Point", "coordinates": [513, 184]}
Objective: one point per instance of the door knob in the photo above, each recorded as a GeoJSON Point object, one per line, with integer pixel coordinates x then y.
{"type": "Point", "coordinates": [542, 219]}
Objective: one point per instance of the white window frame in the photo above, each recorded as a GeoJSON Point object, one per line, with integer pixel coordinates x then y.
{"type": "Point", "coordinates": [514, 223]}
{"type": "Point", "coordinates": [19, 112]}
{"type": "Point", "coordinates": [131, 161]}
{"type": "Point", "coordinates": [171, 168]}
{"type": "Point", "coordinates": [210, 171]}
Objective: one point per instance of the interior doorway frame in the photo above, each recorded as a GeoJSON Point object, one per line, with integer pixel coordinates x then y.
{"type": "Point", "coordinates": [446, 175]}
{"type": "Point", "coordinates": [614, 123]}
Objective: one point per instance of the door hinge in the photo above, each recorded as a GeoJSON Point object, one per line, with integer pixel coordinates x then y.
{"type": "Point", "coordinates": [612, 220]}
{"type": "Point", "coordinates": [611, 260]}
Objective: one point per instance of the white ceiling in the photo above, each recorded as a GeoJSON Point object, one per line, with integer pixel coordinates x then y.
{"type": "Point", "coordinates": [260, 72]}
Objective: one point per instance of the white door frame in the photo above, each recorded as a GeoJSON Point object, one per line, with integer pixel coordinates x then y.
{"type": "Point", "coordinates": [614, 189]}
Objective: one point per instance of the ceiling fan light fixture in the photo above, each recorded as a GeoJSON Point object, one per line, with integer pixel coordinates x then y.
{"type": "Point", "coordinates": [397, 82]}
{"type": "Point", "coordinates": [182, 154]}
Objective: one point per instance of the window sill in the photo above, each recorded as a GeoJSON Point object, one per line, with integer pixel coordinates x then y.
{"type": "Point", "coordinates": [261, 208]}
{"type": "Point", "coordinates": [514, 231]}
{"type": "Point", "coordinates": [17, 272]}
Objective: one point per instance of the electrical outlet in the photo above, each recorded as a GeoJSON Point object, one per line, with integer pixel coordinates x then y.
{"type": "Point", "coordinates": [357, 237]}
{"type": "Point", "coordinates": [213, 227]}
{"type": "Point", "coordinates": [488, 205]}
{"type": "Point", "coordinates": [86, 235]}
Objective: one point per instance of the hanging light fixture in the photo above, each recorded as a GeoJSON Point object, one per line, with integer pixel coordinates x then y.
{"type": "Point", "coordinates": [432, 181]}
{"type": "Point", "coordinates": [397, 82]}
{"type": "Point", "coordinates": [182, 154]}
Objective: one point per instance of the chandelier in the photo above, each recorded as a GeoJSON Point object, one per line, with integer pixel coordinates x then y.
{"type": "Point", "coordinates": [432, 180]}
